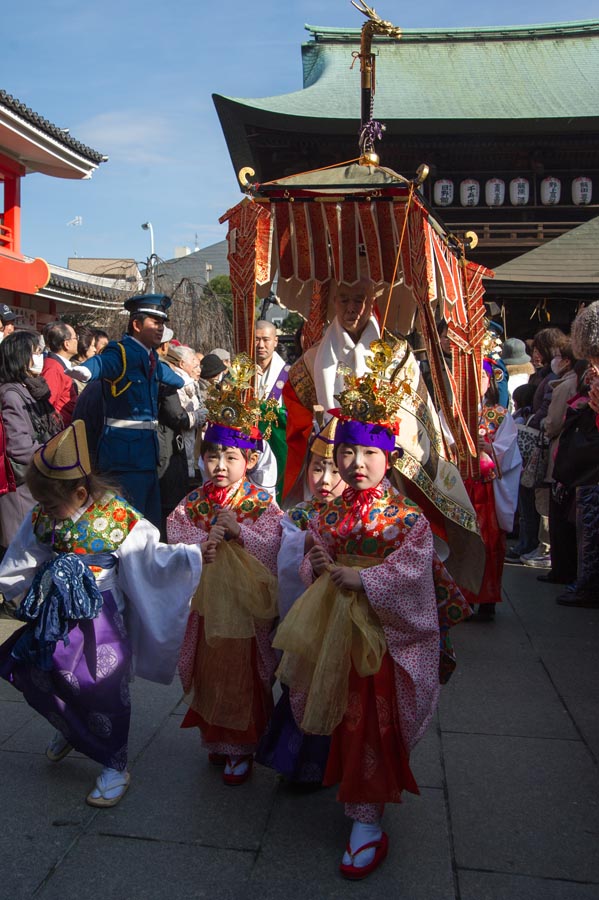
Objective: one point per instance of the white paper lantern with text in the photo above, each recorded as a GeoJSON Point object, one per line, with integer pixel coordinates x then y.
{"type": "Point", "coordinates": [551, 190]}
{"type": "Point", "coordinates": [469, 192]}
{"type": "Point", "coordinates": [495, 192]}
{"type": "Point", "coordinates": [519, 191]}
{"type": "Point", "coordinates": [582, 190]}
{"type": "Point", "coordinates": [443, 192]}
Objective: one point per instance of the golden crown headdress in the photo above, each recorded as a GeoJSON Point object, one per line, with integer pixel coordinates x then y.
{"type": "Point", "coordinates": [233, 403]}
{"type": "Point", "coordinates": [491, 342]}
{"type": "Point", "coordinates": [374, 397]}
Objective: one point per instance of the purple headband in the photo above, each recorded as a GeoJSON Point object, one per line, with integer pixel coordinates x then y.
{"type": "Point", "coordinates": [230, 437]}
{"type": "Point", "coordinates": [488, 368]}
{"type": "Point", "coordinates": [350, 431]}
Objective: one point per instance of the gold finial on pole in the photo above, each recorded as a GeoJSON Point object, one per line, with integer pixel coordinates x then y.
{"type": "Point", "coordinates": [369, 129]}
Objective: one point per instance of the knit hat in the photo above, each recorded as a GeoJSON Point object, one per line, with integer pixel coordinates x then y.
{"type": "Point", "coordinates": [221, 353]}
{"type": "Point", "coordinates": [211, 365]}
{"type": "Point", "coordinates": [513, 352]}
{"type": "Point", "coordinates": [66, 455]}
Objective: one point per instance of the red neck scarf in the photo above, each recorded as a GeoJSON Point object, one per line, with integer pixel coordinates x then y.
{"type": "Point", "coordinates": [360, 501]}
{"type": "Point", "coordinates": [218, 496]}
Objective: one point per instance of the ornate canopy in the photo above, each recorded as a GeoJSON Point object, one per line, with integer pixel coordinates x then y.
{"type": "Point", "coordinates": [340, 223]}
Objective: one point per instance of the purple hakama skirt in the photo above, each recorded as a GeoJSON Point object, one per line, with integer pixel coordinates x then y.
{"type": "Point", "coordinates": [86, 694]}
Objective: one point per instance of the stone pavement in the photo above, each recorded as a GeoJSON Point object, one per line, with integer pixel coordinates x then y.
{"type": "Point", "coordinates": [509, 805]}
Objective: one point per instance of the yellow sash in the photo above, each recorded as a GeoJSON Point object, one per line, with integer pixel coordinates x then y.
{"type": "Point", "coordinates": [234, 591]}
{"type": "Point", "coordinates": [324, 632]}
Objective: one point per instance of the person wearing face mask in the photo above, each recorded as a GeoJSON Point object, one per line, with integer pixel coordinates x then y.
{"type": "Point", "coordinates": [29, 420]}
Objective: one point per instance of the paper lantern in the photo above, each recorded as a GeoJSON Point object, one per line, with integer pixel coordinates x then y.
{"type": "Point", "coordinates": [469, 192]}
{"type": "Point", "coordinates": [582, 190]}
{"type": "Point", "coordinates": [495, 192]}
{"type": "Point", "coordinates": [551, 190]}
{"type": "Point", "coordinates": [443, 192]}
{"type": "Point", "coordinates": [519, 191]}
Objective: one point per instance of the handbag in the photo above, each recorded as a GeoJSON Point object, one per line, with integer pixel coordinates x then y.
{"type": "Point", "coordinates": [577, 458]}
{"type": "Point", "coordinates": [527, 441]}
{"type": "Point", "coordinates": [533, 473]}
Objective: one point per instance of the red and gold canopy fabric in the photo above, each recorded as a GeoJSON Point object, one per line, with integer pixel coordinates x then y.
{"type": "Point", "coordinates": [342, 223]}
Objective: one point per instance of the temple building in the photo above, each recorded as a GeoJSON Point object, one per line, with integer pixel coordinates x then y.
{"type": "Point", "coordinates": [506, 118]}
{"type": "Point", "coordinates": [37, 291]}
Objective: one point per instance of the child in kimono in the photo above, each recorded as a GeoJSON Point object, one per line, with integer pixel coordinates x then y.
{"type": "Point", "coordinates": [87, 561]}
{"type": "Point", "coordinates": [301, 758]}
{"type": "Point", "coordinates": [494, 492]}
{"type": "Point", "coordinates": [361, 645]}
{"type": "Point", "coordinates": [227, 664]}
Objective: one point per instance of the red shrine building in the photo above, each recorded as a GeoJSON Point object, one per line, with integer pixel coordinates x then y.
{"type": "Point", "coordinates": [507, 119]}
{"type": "Point", "coordinates": [29, 143]}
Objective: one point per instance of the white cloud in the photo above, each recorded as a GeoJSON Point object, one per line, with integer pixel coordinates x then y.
{"type": "Point", "coordinates": [129, 136]}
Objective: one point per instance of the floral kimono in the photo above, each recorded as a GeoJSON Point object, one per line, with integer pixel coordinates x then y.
{"type": "Point", "coordinates": [227, 664]}
{"type": "Point", "coordinates": [378, 712]}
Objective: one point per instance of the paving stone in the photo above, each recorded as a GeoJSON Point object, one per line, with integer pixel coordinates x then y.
{"type": "Point", "coordinates": [113, 868]}
{"type": "Point", "coordinates": [481, 699]}
{"type": "Point", "coordinates": [13, 716]}
{"type": "Point", "coordinates": [576, 684]}
{"type": "Point", "coordinates": [491, 886]}
{"type": "Point", "coordinates": [43, 809]}
{"type": "Point", "coordinates": [425, 760]}
{"type": "Point", "coordinates": [306, 836]}
{"type": "Point", "coordinates": [521, 805]}
{"type": "Point", "coordinates": [175, 792]}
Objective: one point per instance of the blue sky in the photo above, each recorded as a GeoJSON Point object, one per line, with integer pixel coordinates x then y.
{"type": "Point", "coordinates": [134, 80]}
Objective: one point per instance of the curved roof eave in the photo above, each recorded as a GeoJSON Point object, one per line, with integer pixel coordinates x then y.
{"type": "Point", "coordinates": [41, 146]}
{"type": "Point", "coordinates": [544, 72]}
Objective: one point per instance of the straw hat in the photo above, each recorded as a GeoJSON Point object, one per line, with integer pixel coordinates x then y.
{"type": "Point", "coordinates": [66, 455]}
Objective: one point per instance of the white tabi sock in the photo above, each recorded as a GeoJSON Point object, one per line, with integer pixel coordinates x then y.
{"type": "Point", "coordinates": [236, 765]}
{"type": "Point", "coordinates": [361, 834]}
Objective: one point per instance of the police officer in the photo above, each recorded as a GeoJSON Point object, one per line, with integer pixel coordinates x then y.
{"type": "Point", "coordinates": [7, 321]}
{"type": "Point", "coordinates": [131, 372]}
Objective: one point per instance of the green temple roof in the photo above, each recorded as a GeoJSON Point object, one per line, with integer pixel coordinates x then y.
{"type": "Point", "coordinates": [572, 258]}
{"type": "Point", "coordinates": [516, 73]}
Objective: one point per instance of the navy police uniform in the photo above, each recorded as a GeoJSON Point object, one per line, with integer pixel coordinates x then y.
{"type": "Point", "coordinates": [128, 446]}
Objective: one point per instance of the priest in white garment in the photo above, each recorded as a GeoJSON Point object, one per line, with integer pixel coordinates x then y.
{"type": "Point", "coordinates": [423, 471]}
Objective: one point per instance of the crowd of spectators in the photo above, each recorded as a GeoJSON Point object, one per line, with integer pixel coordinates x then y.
{"type": "Point", "coordinates": [39, 396]}
{"type": "Point", "coordinates": [553, 382]}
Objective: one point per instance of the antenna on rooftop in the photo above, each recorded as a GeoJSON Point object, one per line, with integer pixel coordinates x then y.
{"type": "Point", "coordinates": [78, 220]}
